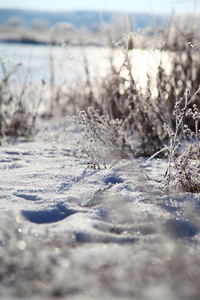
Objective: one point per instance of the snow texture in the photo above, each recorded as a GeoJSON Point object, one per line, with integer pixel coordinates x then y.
{"type": "Point", "coordinates": [78, 233]}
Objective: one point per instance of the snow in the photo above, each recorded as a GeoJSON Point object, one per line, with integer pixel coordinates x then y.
{"type": "Point", "coordinates": [70, 231]}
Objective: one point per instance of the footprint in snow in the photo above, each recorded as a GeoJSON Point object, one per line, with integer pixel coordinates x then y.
{"type": "Point", "coordinates": [28, 197]}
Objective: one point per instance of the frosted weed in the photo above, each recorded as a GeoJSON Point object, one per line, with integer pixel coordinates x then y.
{"type": "Point", "coordinates": [183, 167]}
{"type": "Point", "coordinates": [105, 141]}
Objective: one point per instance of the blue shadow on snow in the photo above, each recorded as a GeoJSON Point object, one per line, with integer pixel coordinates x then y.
{"type": "Point", "coordinates": [45, 216]}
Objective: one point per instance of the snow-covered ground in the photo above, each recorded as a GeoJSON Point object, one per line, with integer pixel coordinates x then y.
{"type": "Point", "coordinates": [79, 233]}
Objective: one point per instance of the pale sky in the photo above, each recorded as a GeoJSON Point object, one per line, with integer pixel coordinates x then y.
{"type": "Point", "coordinates": [149, 6]}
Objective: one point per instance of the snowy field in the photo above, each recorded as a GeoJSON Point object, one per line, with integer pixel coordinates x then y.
{"type": "Point", "coordinates": [71, 232]}
{"type": "Point", "coordinates": [78, 233]}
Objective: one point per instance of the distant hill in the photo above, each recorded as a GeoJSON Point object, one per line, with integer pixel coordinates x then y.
{"type": "Point", "coordinates": [90, 20]}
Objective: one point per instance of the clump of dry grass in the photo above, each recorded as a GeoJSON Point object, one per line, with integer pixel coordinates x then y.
{"type": "Point", "coordinates": [119, 99]}
{"type": "Point", "coordinates": [180, 40]}
{"type": "Point", "coordinates": [18, 105]}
